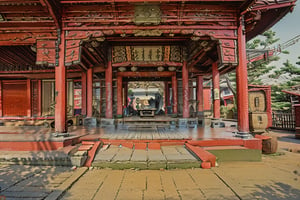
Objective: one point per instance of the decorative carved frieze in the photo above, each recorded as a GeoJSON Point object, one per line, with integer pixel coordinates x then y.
{"type": "Point", "coordinates": [119, 54]}
{"type": "Point", "coordinates": [28, 37]}
{"type": "Point", "coordinates": [145, 33]}
{"type": "Point", "coordinates": [147, 53]}
{"type": "Point", "coordinates": [147, 15]}
{"type": "Point", "coordinates": [175, 54]}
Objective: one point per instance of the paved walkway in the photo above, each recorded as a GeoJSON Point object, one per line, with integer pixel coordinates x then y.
{"type": "Point", "coordinates": [276, 177]}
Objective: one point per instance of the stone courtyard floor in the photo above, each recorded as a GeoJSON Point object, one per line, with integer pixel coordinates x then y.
{"type": "Point", "coordinates": [276, 177]}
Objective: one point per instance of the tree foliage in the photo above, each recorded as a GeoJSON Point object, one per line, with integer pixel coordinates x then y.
{"type": "Point", "coordinates": [280, 99]}
{"type": "Point", "coordinates": [256, 69]}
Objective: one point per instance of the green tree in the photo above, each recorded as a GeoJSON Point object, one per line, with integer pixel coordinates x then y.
{"type": "Point", "coordinates": [256, 69]}
{"type": "Point", "coordinates": [281, 100]}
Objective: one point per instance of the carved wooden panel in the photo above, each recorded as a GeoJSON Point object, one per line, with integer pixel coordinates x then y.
{"type": "Point", "coordinates": [147, 15]}
{"type": "Point", "coordinates": [228, 49]}
{"type": "Point", "coordinates": [72, 54]}
{"type": "Point", "coordinates": [147, 53]}
{"type": "Point", "coordinates": [46, 52]}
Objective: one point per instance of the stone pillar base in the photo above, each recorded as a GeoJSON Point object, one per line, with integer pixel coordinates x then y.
{"type": "Point", "coordinates": [243, 135]}
{"type": "Point", "coordinates": [90, 122]}
{"type": "Point", "coordinates": [182, 122]}
{"type": "Point", "coordinates": [106, 122]}
{"type": "Point", "coordinates": [217, 123]}
{"type": "Point", "coordinates": [60, 134]}
{"type": "Point", "coordinates": [201, 120]}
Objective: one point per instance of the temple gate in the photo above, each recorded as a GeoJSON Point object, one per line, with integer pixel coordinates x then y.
{"type": "Point", "coordinates": [105, 44]}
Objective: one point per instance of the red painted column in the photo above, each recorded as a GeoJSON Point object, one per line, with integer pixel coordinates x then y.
{"type": "Point", "coordinates": [185, 90]}
{"type": "Point", "coordinates": [200, 93]}
{"type": "Point", "coordinates": [216, 87]}
{"type": "Point", "coordinates": [119, 96]}
{"type": "Point", "coordinates": [40, 97]}
{"type": "Point", "coordinates": [83, 93]}
{"type": "Point", "coordinates": [242, 82]}
{"type": "Point", "coordinates": [108, 89]}
{"type": "Point", "coordinates": [29, 97]}
{"type": "Point", "coordinates": [61, 89]}
{"type": "Point", "coordinates": [297, 120]}
{"type": "Point", "coordinates": [89, 91]}
{"type": "Point", "coordinates": [269, 105]}
{"type": "Point", "coordinates": [125, 95]}
{"type": "Point", "coordinates": [1, 112]}
{"type": "Point", "coordinates": [174, 93]}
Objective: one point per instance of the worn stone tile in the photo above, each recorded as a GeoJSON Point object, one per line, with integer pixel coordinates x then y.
{"type": "Point", "coordinates": [155, 155]}
{"type": "Point", "coordinates": [139, 155]}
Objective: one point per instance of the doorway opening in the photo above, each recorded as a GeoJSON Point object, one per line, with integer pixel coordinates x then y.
{"type": "Point", "coordinates": [145, 95]}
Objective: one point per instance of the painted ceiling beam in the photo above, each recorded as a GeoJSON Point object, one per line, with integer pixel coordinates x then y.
{"type": "Point", "coordinates": [147, 64]}
{"type": "Point", "coordinates": [147, 74]}
{"type": "Point", "coordinates": [274, 6]}
{"type": "Point", "coordinates": [162, 27]}
{"type": "Point", "coordinates": [136, 1]}
{"type": "Point", "coordinates": [23, 9]}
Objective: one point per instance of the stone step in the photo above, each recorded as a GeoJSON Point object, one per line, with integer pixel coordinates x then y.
{"type": "Point", "coordinates": [202, 154]}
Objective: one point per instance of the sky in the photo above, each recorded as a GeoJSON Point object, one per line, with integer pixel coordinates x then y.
{"type": "Point", "coordinates": [287, 28]}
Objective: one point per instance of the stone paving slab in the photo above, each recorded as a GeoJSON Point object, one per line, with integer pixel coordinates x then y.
{"type": "Point", "coordinates": [118, 157]}
{"type": "Point", "coordinates": [139, 155]}
{"type": "Point", "coordinates": [156, 155]}
{"type": "Point", "coordinates": [275, 177]}
{"type": "Point", "coordinates": [39, 182]}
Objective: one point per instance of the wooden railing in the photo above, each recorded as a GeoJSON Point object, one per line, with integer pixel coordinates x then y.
{"type": "Point", "coordinates": [283, 120]}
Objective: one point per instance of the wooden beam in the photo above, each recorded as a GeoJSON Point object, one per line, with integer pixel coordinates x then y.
{"type": "Point", "coordinates": [147, 64]}
{"type": "Point", "coordinates": [111, 1]}
{"type": "Point", "coordinates": [1, 108]}
{"type": "Point", "coordinates": [28, 9]}
{"type": "Point", "coordinates": [161, 27]}
{"type": "Point", "coordinates": [87, 52]}
{"type": "Point", "coordinates": [38, 76]}
{"type": "Point", "coordinates": [146, 74]}
{"type": "Point", "coordinates": [98, 69]}
{"type": "Point", "coordinates": [37, 71]}
{"type": "Point", "coordinates": [54, 9]}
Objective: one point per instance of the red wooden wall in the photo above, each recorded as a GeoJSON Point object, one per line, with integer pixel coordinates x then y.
{"type": "Point", "coordinates": [14, 98]}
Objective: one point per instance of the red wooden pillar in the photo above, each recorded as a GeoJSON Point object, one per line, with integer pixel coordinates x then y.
{"type": "Point", "coordinates": [29, 98]}
{"type": "Point", "coordinates": [61, 89]}
{"type": "Point", "coordinates": [297, 120]}
{"type": "Point", "coordinates": [83, 93]}
{"type": "Point", "coordinates": [174, 93]}
{"type": "Point", "coordinates": [269, 106]}
{"type": "Point", "coordinates": [200, 94]}
{"type": "Point", "coordinates": [119, 96]}
{"type": "Point", "coordinates": [242, 81]}
{"type": "Point", "coordinates": [216, 87]}
{"type": "Point", "coordinates": [89, 91]}
{"type": "Point", "coordinates": [40, 97]}
{"type": "Point", "coordinates": [1, 112]}
{"type": "Point", "coordinates": [108, 89]}
{"type": "Point", "coordinates": [125, 94]}
{"type": "Point", "coordinates": [185, 90]}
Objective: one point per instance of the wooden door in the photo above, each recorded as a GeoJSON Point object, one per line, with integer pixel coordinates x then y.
{"type": "Point", "coordinates": [15, 100]}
